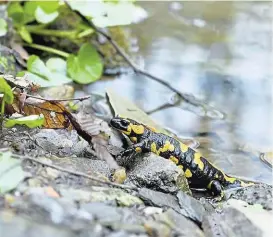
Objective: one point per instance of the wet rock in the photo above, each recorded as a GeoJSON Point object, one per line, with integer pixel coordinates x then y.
{"type": "Point", "coordinates": [57, 210]}
{"type": "Point", "coordinates": [15, 226]}
{"type": "Point", "coordinates": [191, 207]}
{"type": "Point", "coordinates": [55, 142]}
{"type": "Point", "coordinates": [239, 219]}
{"type": "Point", "coordinates": [81, 148]}
{"type": "Point", "coordinates": [101, 194]}
{"type": "Point", "coordinates": [105, 213]}
{"type": "Point", "coordinates": [157, 173]}
{"type": "Point", "coordinates": [29, 226]}
{"type": "Point", "coordinates": [52, 173]}
{"type": "Point", "coordinates": [57, 92]}
{"type": "Point", "coordinates": [181, 203]}
{"type": "Point", "coordinates": [154, 228]}
{"type": "Point", "coordinates": [158, 199]}
{"type": "Point", "coordinates": [179, 223]}
{"type": "Point", "coordinates": [96, 168]}
{"type": "Point", "coordinates": [257, 194]}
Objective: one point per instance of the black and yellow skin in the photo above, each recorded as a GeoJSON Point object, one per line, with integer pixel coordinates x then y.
{"type": "Point", "coordinates": [199, 172]}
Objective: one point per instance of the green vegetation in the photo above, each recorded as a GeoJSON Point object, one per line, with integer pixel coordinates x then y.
{"type": "Point", "coordinates": [32, 19]}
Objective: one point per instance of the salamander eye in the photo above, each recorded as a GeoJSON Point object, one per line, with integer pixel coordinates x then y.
{"type": "Point", "coordinates": [124, 123]}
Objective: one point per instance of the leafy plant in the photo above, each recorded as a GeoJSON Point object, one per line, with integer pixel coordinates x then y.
{"type": "Point", "coordinates": [7, 96]}
{"type": "Point", "coordinates": [86, 67]}
{"type": "Point", "coordinates": [31, 121]}
{"type": "Point", "coordinates": [36, 17]}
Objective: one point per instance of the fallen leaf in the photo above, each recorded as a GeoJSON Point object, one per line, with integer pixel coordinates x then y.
{"type": "Point", "coordinates": [55, 114]}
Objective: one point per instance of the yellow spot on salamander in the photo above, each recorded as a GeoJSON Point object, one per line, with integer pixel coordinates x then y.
{"type": "Point", "coordinates": [153, 148]}
{"type": "Point", "coordinates": [183, 147]}
{"type": "Point", "coordinates": [198, 161]}
{"type": "Point", "coordinates": [188, 173]}
{"type": "Point", "coordinates": [209, 185]}
{"type": "Point", "coordinates": [138, 129]}
{"type": "Point", "coordinates": [174, 159]}
{"type": "Point", "coordinates": [167, 147]}
{"type": "Point", "coordinates": [138, 149]}
{"type": "Point", "coordinates": [128, 132]}
{"type": "Point", "coordinates": [229, 179]}
{"type": "Point", "coordinates": [133, 139]}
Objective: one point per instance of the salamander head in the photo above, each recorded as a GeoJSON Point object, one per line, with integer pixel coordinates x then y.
{"type": "Point", "coordinates": [129, 127]}
{"type": "Point", "coordinates": [121, 124]}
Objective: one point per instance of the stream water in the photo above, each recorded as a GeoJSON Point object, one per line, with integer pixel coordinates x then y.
{"type": "Point", "coordinates": [221, 53]}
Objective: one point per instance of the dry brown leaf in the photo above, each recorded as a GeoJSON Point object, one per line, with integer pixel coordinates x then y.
{"type": "Point", "coordinates": [54, 112]}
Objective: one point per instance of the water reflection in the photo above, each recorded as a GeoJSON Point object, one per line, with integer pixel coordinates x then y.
{"type": "Point", "coordinates": [219, 51]}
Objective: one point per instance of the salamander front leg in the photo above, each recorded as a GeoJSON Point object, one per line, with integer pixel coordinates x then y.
{"type": "Point", "coordinates": [216, 190]}
{"type": "Point", "coordinates": [138, 148]}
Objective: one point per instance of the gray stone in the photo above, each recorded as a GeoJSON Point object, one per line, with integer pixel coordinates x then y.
{"type": "Point", "coordinates": [239, 219]}
{"type": "Point", "coordinates": [54, 142]}
{"type": "Point", "coordinates": [158, 199]}
{"type": "Point", "coordinates": [179, 223]}
{"type": "Point", "coordinates": [107, 214]}
{"type": "Point", "coordinates": [15, 226]}
{"type": "Point", "coordinates": [101, 194]}
{"type": "Point", "coordinates": [96, 168]}
{"type": "Point", "coordinates": [191, 207]}
{"type": "Point", "coordinates": [157, 173]}
{"type": "Point", "coordinates": [182, 203]}
{"type": "Point", "coordinates": [80, 148]}
{"type": "Point", "coordinates": [59, 211]}
{"type": "Point", "coordinates": [257, 194]}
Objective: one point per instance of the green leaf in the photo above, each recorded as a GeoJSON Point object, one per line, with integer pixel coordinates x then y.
{"type": "Point", "coordinates": [122, 13]}
{"type": "Point", "coordinates": [25, 34]}
{"type": "Point", "coordinates": [43, 11]}
{"type": "Point", "coordinates": [16, 13]}
{"type": "Point", "coordinates": [44, 17]}
{"type": "Point", "coordinates": [73, 106]}
{"type": "Point", "coordinates": [11, 173]}
{"type": "Point", "coordinates": [3, 27]}
{"type": "Point", "coordinates": [29, 10]}
{"type": "Point", "coordinates": [6, 90]}
{"type": "Point", "coordinates": [31, 121]}
{"type": "Point", "coordinates": [86, 67]}
{"type": "Point", "coordinates": [53, 73]}
{"type": "Point", "coordinates": [56, 65]}
{"type": "Point", "coordinates": [108, 13]}
{"type": "Point", "coordinates": [48, 7]}
{"type": "Point", "coordinates": [55, 80]}
{"type": "Point", "coordinates": [37, 66]}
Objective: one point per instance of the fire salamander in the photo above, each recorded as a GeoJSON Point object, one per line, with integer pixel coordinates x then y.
{"type": "Point", "coordinates": [199, 172]}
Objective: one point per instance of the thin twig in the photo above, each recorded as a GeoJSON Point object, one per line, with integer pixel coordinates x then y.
{"type": "Point", "coordinates": [58, 100]}
{"type": "Point", "coordinates": [77, 173]}
{"type": "Point", "coordinates": [135, 67]}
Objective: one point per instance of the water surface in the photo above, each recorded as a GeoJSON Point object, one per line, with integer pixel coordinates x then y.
{"type": "Point", "coordinates": [221, 53]}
